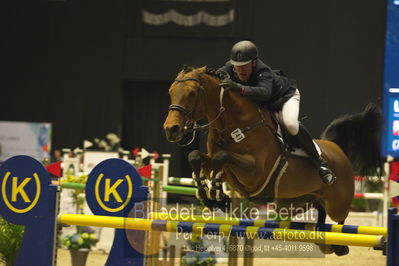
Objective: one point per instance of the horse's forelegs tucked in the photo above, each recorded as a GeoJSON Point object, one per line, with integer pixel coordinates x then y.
{"type": "Point", "coordinates": [218, 160]}
{"type": "Point", "coordinates": [198, 162]}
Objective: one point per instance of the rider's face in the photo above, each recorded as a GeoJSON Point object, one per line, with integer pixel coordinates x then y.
{"type": "Point", "coordinates": [244, 72]}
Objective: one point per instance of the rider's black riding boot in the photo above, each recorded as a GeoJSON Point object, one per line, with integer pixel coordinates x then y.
{"type": "Point", "coordinates": [306, 142]}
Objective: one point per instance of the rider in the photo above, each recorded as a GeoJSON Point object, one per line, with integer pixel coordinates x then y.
{"type": "Point", "coordinates": [252, 78]}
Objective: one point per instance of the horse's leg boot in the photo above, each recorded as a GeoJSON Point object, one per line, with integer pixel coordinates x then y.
{"type": "Point", "coordinates": [195, 160]}
{"type": "Point", "coordinates": [202, 187]}
{"type": "Point", "coordinates": [216, 191]}
{"type": "Point", "coordinates": [306, 142]}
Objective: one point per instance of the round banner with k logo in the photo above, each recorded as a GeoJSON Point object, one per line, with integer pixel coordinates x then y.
{"type": "Point", "coordinates": [24, 183]}
{"type": "Point", "coordinates": [112, 188]}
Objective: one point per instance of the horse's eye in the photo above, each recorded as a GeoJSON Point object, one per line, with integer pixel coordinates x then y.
{"type": "Point", "coordinates": [192, 93]}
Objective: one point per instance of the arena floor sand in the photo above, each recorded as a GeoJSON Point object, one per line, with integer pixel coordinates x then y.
{"type": "Point", "coordinates": [357, 256]}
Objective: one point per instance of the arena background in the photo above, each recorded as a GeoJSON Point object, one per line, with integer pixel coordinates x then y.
{"type": "Point", "coordinates": [93, 67]}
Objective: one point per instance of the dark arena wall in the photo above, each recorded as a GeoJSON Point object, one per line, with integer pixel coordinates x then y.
{"type": "Point", "coordinates": [93, 67]}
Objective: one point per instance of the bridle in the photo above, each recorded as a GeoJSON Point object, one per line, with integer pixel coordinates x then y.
{"type": "Point", "coordinates": [187, 113]}
{"type": "Point", "coordinates": [190, 124]}
{"type": "Point", "coordinates": [193, 126]}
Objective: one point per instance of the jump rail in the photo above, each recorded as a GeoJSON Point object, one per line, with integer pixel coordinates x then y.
{"type": "Point", "coordinates": [337, 228]}
{"type": "Point", "coordinates": [114, 189]}
{"type": "Point", "coordinates": [251, 232]}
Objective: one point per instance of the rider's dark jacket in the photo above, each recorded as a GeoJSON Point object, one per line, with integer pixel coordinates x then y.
{"type": "Point", "coordinates": [266, 87]}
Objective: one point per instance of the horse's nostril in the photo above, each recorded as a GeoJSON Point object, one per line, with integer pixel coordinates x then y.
{"type": "Point", "coordinates": [174, 129]}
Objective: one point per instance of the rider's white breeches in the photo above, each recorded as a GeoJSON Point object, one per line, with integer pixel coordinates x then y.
{"type": "Point", "coordinates": [290, 112]}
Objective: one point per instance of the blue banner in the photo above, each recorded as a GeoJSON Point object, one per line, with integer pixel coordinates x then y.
{"type": "Point", "coordinates": [390, 137]}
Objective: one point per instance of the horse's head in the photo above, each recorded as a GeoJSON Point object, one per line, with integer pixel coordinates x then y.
{"type": "Point", "coordinates": [187, 96]}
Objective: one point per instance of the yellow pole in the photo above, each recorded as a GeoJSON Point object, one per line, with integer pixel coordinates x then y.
{"type": "Point", "coordinates": [225, 230]}
{"type": "Point", "coordinates": [337, 228]}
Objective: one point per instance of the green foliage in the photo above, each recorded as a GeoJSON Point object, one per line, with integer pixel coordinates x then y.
{"type": "Point", "coordinates": [198, 255]}
{"type": "Point", "coordinates": [78, 197]}
{"type": "Point", "coordinates": [84, 238]}
{"type": "Point", "coordinates": [10, 241]}
{"type": "Point", "coordinates": [199, 258]}
{"type": "Point", "coordinates": [358, 205]}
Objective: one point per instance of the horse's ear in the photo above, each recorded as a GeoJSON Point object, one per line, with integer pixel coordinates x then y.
{"type": "Point", "coordinates": [202, 69]}
{"type": "Point", "coordinates": [185, 67]}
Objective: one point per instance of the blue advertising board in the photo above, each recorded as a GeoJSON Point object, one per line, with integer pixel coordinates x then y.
{"type": "Point", "coordinates": [390, 137]}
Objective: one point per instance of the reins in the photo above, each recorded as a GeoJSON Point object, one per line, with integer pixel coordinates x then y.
{"type": "Point", "coordinates": [193, 126]}
{"type": "Point", "coordinates": [190, 125]}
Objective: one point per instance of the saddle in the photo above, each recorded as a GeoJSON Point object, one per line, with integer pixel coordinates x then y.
{"type": "Point", "coordinates": [288, 143]}
{"type": "Point", "coordinates": [289, 147]}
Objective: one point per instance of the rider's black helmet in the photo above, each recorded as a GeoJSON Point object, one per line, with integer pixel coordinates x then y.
{"type": "Point", "coordinates": [242, 53]}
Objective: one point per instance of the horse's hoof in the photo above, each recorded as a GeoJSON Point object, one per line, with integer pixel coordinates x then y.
{"type": "Point", "coordinates": [224, 205]}
{"type": "Point", "coordinates": [210, 204]}
{"type": "Point", "coordinates": [220, 196]}
{"type": "Point", "coordinates": [340, 250]}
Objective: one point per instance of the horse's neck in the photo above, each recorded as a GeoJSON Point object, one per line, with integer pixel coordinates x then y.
{"type": "Point", "coordinates": [238, 111]}
{"type": "Point", "coordinates": [212, 104]}
{"type": "Point", "coordinates": [240, 108]}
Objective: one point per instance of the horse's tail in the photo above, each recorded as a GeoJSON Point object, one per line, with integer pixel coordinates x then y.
{"type": "Point", "coordinates": [359, 137]}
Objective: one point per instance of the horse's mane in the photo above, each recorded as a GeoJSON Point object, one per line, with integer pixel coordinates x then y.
{"type": "Point", "coordinates": [218, 74]}
{"type": "Point", "coordinates": [187, 68]}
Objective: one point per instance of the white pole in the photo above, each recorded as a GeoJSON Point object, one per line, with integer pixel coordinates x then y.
{"type": "Point", "coordinates": [384, 222]}
{"type": "Point", "coordinates": [166, 158]}
{"type": "Point", "coordinates": [379, 196]}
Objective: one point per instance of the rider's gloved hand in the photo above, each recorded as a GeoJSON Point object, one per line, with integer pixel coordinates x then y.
{"type": "Point", "coordinates": [230, 85]}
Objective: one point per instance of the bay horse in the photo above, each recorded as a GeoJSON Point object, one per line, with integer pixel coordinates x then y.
{"type": "Point", "coordinates": [244, 150]}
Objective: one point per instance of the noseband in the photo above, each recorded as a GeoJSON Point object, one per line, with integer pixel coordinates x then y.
{"type": "Point", "coordinates": [189, 114]}
{"type": "Point", "coordinates": [191, 125]}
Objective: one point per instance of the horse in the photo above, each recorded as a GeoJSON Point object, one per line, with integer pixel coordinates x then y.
{"type": "Point", "coordinates": [244, 149]}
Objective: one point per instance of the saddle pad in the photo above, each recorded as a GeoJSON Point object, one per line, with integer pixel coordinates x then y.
{"type": "Point", "coordinates": [301, 153]}
{"type": "Point", "coordinates": [297, 151]}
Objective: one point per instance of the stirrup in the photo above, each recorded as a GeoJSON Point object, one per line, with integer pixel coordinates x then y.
{"type": "Point", "coordinates": [326, 175]}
